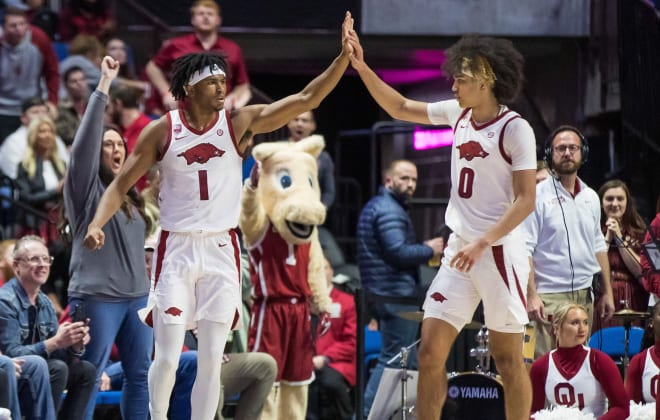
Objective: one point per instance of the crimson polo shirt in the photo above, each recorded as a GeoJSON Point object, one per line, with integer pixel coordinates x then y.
{"type": "Point", "coordinates": [179, 46]}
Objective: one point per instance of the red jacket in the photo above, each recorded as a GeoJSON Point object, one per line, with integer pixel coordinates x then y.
{"type": "Point", "coordinates": [338, 344]}
{"type": "Point", "coordinates": [651, 279]}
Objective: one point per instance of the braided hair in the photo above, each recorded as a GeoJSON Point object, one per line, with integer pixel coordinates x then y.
{"type": "Point", "coordinates": [187, 65]}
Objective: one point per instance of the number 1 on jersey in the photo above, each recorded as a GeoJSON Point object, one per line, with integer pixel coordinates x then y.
{"type": "Point", "coordinates": [203, 185]}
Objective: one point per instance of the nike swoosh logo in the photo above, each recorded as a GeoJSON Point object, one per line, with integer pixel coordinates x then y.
{"type": "Point", "coordinates": [221, 245]}
{"type": "Point", "coordinates": [179, 138]}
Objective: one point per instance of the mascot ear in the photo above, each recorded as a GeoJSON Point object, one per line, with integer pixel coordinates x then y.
{"type": "Point", "coordinates": [313, 145]}
{"type": "Point", "coordinates": [263, 151]}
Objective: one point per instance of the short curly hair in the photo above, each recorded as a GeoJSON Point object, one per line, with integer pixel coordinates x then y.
{"type": "Point", "coordinates": [505, 62]}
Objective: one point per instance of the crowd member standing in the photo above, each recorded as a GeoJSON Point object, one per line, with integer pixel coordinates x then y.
{"type": "Point", "coordinates": [492, 176]}
{"type": "Point", "coordinates": [623, 228]}
{"type": "Point", "coordinates": [111, 284]}
{"type": "Point", "coordinates": [574, 375]}
{"type": "Point", "coordinates": [389, 256]}
{"type": "Point", "coordinates": [564, 239]}
{"type": "Point", "coordinates": [26, 58]}
{"type": "Point", "coordinates": [199, 150]}
{"type": "Point", "coordinates": [205, 19]}
{"type": "Point", "coordinates": [303, 126]}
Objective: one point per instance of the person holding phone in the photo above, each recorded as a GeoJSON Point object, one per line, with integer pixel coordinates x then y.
{"type": "Point", "coordinates": [28, 326]}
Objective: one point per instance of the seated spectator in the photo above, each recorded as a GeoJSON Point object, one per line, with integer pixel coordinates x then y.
{"type": "Point", "coordinates": [87, 17]}
{"type": "Point", "coordinates": [6, 260]}
{"type": "Point", "coordinates": [27, 386]}
{"type": "Point", "coordinates": [28, 326]}
{"type": "Point", "coordinates": [642, 375]}
{"type": "Point", "coordinates": [40, 178]}
{"type": "Point", "coordinates": [334, 359]}
{"type": "Point", "coordinates": [574, 375]}
{"type": "Point", "coordinates": [72, 106]}
{"type": "Point", "coordinates": [15, 146]}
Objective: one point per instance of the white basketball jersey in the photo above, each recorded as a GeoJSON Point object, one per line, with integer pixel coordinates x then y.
{"type": "Point", "coordinates": [650, 377]}
{"type": "Point", "coordinates": [482, 164]}
{"type": "Point", "coordinates": [200, 176]}
{"type": "Point", "coordinates": [582, 391]}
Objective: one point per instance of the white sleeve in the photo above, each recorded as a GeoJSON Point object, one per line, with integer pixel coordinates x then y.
{"type": "Point", "coordinates": [530, 230]}
{"type": "Point", "coordinates": [10, 157]}
{"type": "Point", "coordinates": [444, 112]}
{"type": "Point", "coordinates": [520, 145]}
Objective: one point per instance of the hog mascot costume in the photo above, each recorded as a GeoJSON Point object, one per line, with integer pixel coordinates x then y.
{"type": "Point", "coordinates": [281, 207]}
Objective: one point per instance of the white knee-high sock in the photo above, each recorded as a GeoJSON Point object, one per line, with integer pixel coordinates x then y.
{"type": "Point", "coordinates": [162, 372]}
{"type": "Point", "coordinates": [211, 339]}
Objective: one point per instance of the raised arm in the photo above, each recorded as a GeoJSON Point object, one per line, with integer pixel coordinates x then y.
{"type": "Point", "coordinates": [265, 118]}
{"type": "Point", "coordinates": [395, 104]}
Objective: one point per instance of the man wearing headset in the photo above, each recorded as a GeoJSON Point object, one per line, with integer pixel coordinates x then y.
{"type": "Point", "coordinates": [564, 239]}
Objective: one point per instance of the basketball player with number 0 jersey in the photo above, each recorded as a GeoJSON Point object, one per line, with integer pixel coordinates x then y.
{"type": "Point", "coordinates": [199, 149]}
{"type": "Point", "coordinates": [493, 189]}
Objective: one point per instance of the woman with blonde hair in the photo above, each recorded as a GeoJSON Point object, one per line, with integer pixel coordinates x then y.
{"type": "Point", "coordinates": [574, 375]}
{"type": "Point", "coordinates": [40, 178]}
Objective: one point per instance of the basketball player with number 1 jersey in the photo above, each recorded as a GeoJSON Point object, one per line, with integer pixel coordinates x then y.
{"type": "Point", "coordinates": [196, 279]}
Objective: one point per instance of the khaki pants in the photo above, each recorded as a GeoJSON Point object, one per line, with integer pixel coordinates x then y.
{"type": "Point", "coordinates": [545, 338]}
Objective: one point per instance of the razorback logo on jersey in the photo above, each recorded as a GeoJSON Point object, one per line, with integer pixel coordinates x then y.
{"type": "Point", "coordinates": [470, 150]}
{"type": "Point", "coordinates": [437, 296]}
{"type": "Point", "coordinates": [174, 311]}
{"type": "Point", "coordinates": [201, 153]}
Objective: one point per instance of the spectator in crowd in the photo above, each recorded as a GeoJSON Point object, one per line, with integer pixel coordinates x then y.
{"type": "Point", "coordinates": [650, 267]}
{"type": "Point", "coordinates": [642, 375]}
{"type": "Point", "coordinates": [28, 326]}
{"type": "Point", "coordinates": [27, 387]}
{"type": "Point", "coordinates": [40, 179]}
{"type": "Point", "coordinates": [6, 260]}
{"type": "Point", "coordinates": [574, 375]}
{"type": "Point", "coordinates": [124, 111]}
{"type": "Point", "coordinates": [205, 19]}
{"type": "Point", "coordinates": [389, 256]}
{"type": "Point", "coordinates": [72, 106]}
{"type": "Point", "coordinates": [87, 17]}
{"type": "Point", "coordinates": [116, 48]}
{"type": "Point", "coordinates": [15, 147]}
{"type": "Point", "coordinates": [564, 240]}
{"type": "Point", "coordinates": [304, 126]}
{"type": "Point", "coordinates": [623, 228]}
{"type": "Point", "coordinates": [26, 59]}
{"type": "Point", "coordinates": [334, 359]}
{"type": "Point", "coordinates": [111, 283]}
{"type": "Point", "coordinates": [85, 52]}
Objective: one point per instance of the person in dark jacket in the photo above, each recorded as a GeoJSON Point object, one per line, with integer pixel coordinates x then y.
{"type": "Point", "coordinates": [389, 255]}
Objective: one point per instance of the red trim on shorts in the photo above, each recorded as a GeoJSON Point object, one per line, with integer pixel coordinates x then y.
{"type": "Point", "coordinates": [203, 185]}
{"type": "Point", "coordinates": [520, 291]}
{"type": "Point", "coordinates": [162, 245]}
{"type": "Point", "coordinates": [498, 255]}
{"type": "Point", "coordinates": [237, 259]}
{"type": "Point", "coordinates": [161, 155]}
{"type": "Point", "coordinates": [501, 142]}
